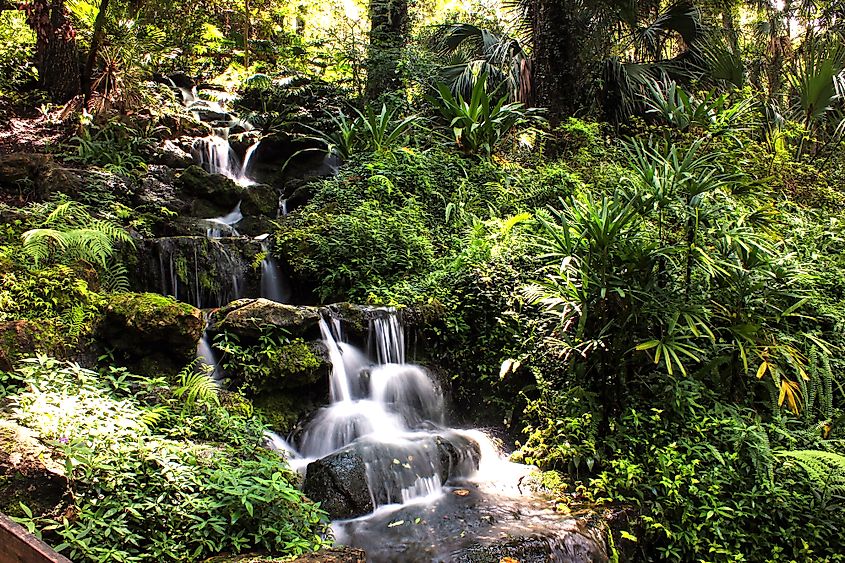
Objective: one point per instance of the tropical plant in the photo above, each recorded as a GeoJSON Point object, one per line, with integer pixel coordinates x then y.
{"type": "Point", "coordinates": [474, 52]}
{"type": "Point", "coordinates": [70, 234]}
{"type": "Point", "coordinates": [480, 123]}
{"type": "Point", "coordinates": [368, 131]}
{"type": "Point", "coordinates": [127, 444]}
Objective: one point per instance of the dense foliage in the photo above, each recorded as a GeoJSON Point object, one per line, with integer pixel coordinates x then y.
{"type": "Point", "coordinates": [650, 296]}
{"type": "Point", "coordinates": [157, 473]}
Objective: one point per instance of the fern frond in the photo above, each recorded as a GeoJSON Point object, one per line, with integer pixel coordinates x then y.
{"type": "Point", "coordinates": [115, 278]}
{"type": "Point", "coordinates": [196, 385]}
{"type": "Point", "coordinates": [826, 470]}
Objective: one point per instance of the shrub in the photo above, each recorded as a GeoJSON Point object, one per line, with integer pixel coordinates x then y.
{"type": "Point", "coordinates": [156, 478]}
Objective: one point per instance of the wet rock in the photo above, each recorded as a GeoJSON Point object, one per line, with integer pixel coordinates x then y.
{"type": "Point", "coordinates": [150, 332]}
{"type": "Point", "coordinates": [170, 155]}
{"type": "Point", "coordinates": [259, 199]}
{"type": "Point", "coordinates": [340, 481]}
{"type": "Point", "coordinates": [246, 317]}
{"type": "Point", "coordinates": [469, 524]}
{"type": "Point", "coordinates": [209, 114]}
{"type": "Point", "coordinates": [36, 176]}
{"type": "Point", "coordinates": [328, 555]}
{"type": "Point", "coordinates": [198, 270]}
{"type": "Point", "coordinates": [28, 473]}
{"type": "Point", "coordinates": [283, 409]}
{"type": "Point", "coordinates": [181, 80]}
{"type": "Point", "coordinates": [334, 555]}
{"type": "Point", "coordinates": [570, 548]}
{"type": "Point", "coordinates": [214, 194]}
{"type": "Point", "coordinates": [221, 190]}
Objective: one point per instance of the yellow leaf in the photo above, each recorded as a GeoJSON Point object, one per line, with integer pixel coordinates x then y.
{"type": "Point", "coordinates": [789, 391]}
{"type": "Point", "coordinates": [761, 371]}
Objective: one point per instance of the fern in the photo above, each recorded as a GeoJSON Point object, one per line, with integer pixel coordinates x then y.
{"type": "Point", "coordinates": [196, 385]}
{"type": "Point", "coordinates": [826, 470]}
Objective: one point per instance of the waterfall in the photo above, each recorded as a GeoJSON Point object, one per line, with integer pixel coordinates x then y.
{"type": "Point", "coordinates": [389, 337]}
{"type": "Point", "coordinates": [225, 224]}
{"type": "Point", "coordinates": [391, 412]}
{"type": "Point", "coordinates": [201, 271]}
{"type": "Point", "coordinates": [215, 155]}
{"type": "Point", "coordinates": [247, 158]}
{"type": "Point", "coordinates": [273, 283]}
{"type": "Point", "coordinates": [283, 207]}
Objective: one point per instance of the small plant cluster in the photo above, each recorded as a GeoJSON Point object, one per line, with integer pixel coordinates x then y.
{"type": "Point", "coordinates": [157, 473]}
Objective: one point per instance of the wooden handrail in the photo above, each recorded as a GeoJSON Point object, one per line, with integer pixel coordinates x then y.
{"type": "Point", "coordinates": [19, 546]}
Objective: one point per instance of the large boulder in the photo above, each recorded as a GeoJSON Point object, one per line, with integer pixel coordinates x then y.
{"type": "Point", "coordinates": [247, 317]}
{"type": "Point", "coordinates": [150, 331]}
{"type": "Point", "coordinates": [36, 176]}
{"type": "Point", "coordinates": [347, 481]}
{"type": "Point", "coordinates": [216, 194]}
{"type": "Point", "coordinates": [28, 473]}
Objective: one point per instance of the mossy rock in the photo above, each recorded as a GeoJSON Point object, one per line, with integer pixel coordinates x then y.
{"type": "Point", "coordinates": [150, 329]}
{"type": "Point", "coordinates": [283, 409]}
{"type": "Point", "coordinates": [28, 176]}
{"type": "Point", "coordinates": [17, 339]}
{"type": "Point", "coordinates": [28, 473]}
{"type": "Point", "coordinates": [216, 193]}
{"type": "Point", "coordinates": [248, 317]}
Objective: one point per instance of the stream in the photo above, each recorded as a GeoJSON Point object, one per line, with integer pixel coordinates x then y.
{"type": "Point", "coordinates": [380, 457]}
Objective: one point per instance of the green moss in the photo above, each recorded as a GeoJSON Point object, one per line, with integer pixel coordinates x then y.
{"type": "Point", "coordinates": [282, 410]}
{"type": "Point", "coordinates": [135, 305]}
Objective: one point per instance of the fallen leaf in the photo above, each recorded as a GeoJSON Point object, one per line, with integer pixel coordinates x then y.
{"type": "Point", "coordinates": [397, 523]}
{"type": "Point", "coordinates": [461, 492]}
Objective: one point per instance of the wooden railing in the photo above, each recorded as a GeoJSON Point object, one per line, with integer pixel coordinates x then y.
{"type": "Point", "coordinates": [19, 546]}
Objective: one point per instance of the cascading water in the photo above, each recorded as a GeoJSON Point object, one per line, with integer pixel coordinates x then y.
{"type": "Point", "coordinates": [225, 224]}
{"type": "Point", "coordinates": [436, 494]}
{"type": "Point", "coordinates": [389, 412]}
{"type": "Point", "coordinates": [387, 338]}
{"type": "Point", "coordinates": [203, 272]}
{"type": "Point", "coordinates": [215, 155]}
{"type": "Point", "coordinates": [273, 284]}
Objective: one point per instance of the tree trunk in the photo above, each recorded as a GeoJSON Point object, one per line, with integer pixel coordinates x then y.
{"type": "Point", "coordinates": [388, 35]}
{"type": "Point", "coordinates": [246, 33]}
{"type": "Point", "coordinates": [557, 75]}
{"type": "Point", "coordinates": [96, 39]}
{"type": "Point", "coordinates": [57, 57]}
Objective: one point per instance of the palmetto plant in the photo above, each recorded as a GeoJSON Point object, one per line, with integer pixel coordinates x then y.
{"type": "Point", "coordinates": [481, 122]}
{"type": "Point", "coordinates": [473, 52]}
{"type": "Point", "coordinates": [817, 81]}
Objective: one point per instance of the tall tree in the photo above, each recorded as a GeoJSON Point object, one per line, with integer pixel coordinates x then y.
{"type": "Point", "coordinates": [57, 57]}
{"type": "Point", "coordinates": [388, 36]}
{"type": "Point", "coordinates": [96, 39]}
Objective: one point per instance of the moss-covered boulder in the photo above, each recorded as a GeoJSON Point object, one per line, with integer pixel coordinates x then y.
{"type": "Point", "coordinates": [248, 317]}
{"type": "Point", "coordinates": [216, 194]}
{"type": "Point", "coordinates": [283, 409]}
{"type": "Point", "coordinates": [28, 473]}
{"type": "Point", "coordinates": [150, 332]}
